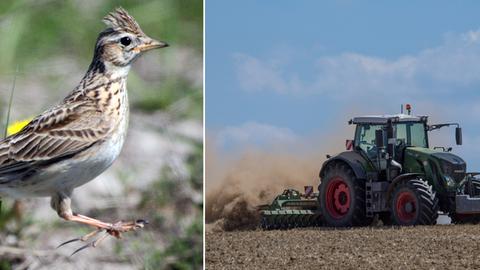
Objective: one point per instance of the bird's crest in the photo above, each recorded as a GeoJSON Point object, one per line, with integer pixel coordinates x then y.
{"type": "Point", "coordinates": [120, 20]}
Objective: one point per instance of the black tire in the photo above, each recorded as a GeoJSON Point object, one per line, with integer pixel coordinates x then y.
{"type": "Point", "coordinates": [414, 203]}
{"type": "Point", "coordinates": [347, 209]}
{"type": "Point", "coordinates": [468, 219]}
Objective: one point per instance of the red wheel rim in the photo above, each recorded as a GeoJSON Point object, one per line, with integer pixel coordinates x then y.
{"type": "Point", "coordinates": [337, 198]}
{"type": "Point", "coordinates": [406, 207]}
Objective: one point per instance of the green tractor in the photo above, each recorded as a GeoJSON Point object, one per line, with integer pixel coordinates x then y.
{"type": "Point", "coordinates": [390, 172]}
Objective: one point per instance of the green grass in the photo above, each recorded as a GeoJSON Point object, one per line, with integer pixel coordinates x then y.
{"type": "Point", "coordinates": [195, 166]}
{"type": "Point", "coordinates": [164, 96]}
{"type": "Point", "coordinates": [34, 31]}
{"type": "Point", "coordinates": [184, 252]}
{"type": "Point", "coordinates": [5, 264]}
{"type": "Point", "coordinates": [6, 214]}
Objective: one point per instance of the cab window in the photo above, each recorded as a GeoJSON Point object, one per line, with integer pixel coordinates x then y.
{"type": "Point", "coordinates": [412, 134]}
{"type": "Point", "coordinates": [365, 139]}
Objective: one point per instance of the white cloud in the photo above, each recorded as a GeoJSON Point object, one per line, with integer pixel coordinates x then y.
{"type": "Point", "coordinates": [443, 69]}
{"type": "Point", "coordinates": [258, 75]}
{"type": "Point", "coordinates": [253, 133]}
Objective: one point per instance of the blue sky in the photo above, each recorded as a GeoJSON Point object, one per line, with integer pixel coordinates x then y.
{"type": "Point", "coordinates": [280, 71]}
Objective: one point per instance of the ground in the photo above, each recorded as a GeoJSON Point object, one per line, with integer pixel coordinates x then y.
{"type": "Point", "coordinates": [423, 247]}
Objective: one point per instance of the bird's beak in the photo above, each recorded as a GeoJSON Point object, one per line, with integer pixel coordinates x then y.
{"type": "Point", "coordinates": [150, 44]}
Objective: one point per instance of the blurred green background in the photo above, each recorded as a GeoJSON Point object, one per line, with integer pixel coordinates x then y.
{"type": "Point", "coordinates": [51, 43]}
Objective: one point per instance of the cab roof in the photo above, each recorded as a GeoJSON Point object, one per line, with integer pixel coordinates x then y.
{"type": "Point", "coordinates": [383, 119]}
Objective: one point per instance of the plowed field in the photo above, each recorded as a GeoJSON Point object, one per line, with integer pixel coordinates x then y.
{"type": "Point", "coordinates": [423, 247]}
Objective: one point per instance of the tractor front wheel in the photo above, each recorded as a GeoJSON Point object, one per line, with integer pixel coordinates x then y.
{"type": "Point", "coordinates": [414, 203]}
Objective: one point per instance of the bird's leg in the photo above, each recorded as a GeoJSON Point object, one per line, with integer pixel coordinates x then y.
{"type": "Point", "coordinates": [61, 203]}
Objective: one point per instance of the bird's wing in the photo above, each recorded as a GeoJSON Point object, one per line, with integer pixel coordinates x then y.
{"type": "Point", "coordinates": [62, 131]}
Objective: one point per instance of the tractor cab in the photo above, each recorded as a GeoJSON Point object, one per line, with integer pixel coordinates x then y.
{"type": "Point", "coordinates": [396, 144]}
{"type": "Point", "coordinates": [387, 136]}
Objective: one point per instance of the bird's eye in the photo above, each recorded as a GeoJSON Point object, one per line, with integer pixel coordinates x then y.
{"type": "Point", "coordinates": [125, 41]}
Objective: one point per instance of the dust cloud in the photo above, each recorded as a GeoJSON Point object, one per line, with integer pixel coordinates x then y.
{"type": "Point", "coordinates": [236, 183]}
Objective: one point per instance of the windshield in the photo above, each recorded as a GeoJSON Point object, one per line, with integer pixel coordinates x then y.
{"type": "Point", "coordinates": [412, 134]}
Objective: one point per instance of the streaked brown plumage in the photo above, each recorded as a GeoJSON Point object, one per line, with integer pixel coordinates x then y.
{"type": "Point", "coordinates": [76, 140]}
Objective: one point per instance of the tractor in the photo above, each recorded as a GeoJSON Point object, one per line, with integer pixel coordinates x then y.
{"type": "Point", "coordinates": [390, 173]}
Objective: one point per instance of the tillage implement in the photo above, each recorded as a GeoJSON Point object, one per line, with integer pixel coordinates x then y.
{"type": "Point", "coordinates": [291, 209]}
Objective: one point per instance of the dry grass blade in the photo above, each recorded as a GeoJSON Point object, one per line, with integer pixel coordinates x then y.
{"type": "Point", "coordinates": [10, 101]}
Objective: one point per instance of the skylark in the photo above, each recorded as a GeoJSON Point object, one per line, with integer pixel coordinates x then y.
{"type": "Point", "coordinates": [76, 140]}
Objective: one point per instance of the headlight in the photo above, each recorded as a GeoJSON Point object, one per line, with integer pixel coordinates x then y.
{"type": "Point", "coordinates": [449, 180]}
{"type": "Point", "coordinates": [455, 171]}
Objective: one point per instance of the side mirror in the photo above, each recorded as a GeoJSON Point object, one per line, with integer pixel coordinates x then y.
{"type": "Point", "coordinates": [379, 138]}
{"type": "Point", "coordinates": [458, 135]}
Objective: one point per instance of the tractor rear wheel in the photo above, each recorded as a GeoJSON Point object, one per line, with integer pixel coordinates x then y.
{"type": "Point", "coordinates": [474, 190]}
{"type": "Point", "coordinates": [414, 203]}
{"type": "Point", "coordinates": [342, 197]}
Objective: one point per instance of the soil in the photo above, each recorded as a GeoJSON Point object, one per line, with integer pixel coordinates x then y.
{"type": "Point", "coordinates": [422, 247]}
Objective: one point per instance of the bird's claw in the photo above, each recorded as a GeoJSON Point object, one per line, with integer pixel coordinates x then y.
{"type": "Point", "coordinates": [83, 238]}
{"type": "Point", "coordinates": [141, 223]}
{"type": "Point", "coordinates": [94, 243]}
{"type": "Point", "coordinates": [82, 248]}
{"type": "Point", "coordinates": [69, 241]}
